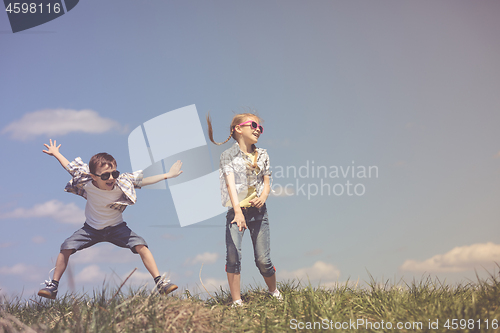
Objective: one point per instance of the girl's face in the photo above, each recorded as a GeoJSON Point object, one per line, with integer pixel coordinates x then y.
{"type": "Point", "coordinates": [250, 135]}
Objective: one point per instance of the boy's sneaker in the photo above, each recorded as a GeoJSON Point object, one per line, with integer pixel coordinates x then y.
{"type": "Point", "coordinates": [50, 290]}
{"type": "Point", "coordinates": [276, 294]}
{"type": "Point", "coordinates": [165, 287]}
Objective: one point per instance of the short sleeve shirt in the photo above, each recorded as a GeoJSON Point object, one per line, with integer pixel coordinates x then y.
{"type": "Point", "coordinates": [235, 161]}
{"type": "Point", "coordinates": [127, 182]}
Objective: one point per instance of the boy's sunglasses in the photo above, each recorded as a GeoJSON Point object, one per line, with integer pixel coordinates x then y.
{"type": "Point", "coordinates": [105, 176]}
{"type": "Point", "coordinates": [254, 125]}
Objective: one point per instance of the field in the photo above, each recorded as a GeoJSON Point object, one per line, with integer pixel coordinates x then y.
{"type": "Point", "coordinates": [420, 306]}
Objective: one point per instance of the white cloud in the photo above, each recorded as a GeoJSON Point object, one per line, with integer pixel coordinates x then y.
{"type": "Point", "coordinates": [104, 253]}
{"type": "Point", "coordinates": [94, 275]}
{"type": "Point", "coordinates": [215, 284]}
{"type": "Point", "coordinates": [6, 245]}
{"type": "Point", "coordinates": [91, 274]}
{"type": "Point", "coordinates": [341, 284]}
{"type": "Point", "coordinates": [57, 122]}
{"type": "Point", "coordinates": [459, 259]}
{"type": "Point", "coordinates": [138, 279]}
{"type": "Point", "coordinates": [18, 269]}
{"type": "Point", "coordinates": [205, 258]}
{"type": "Point", "coordinates": [320, 271]}
{"type": "Point", "coordinates": [64, 213]}
{"type": "Point", "coordinates": [25, 272]}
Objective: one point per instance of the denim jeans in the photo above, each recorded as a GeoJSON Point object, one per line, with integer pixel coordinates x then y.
{"type": "Point", "coordinates": [258, 225]}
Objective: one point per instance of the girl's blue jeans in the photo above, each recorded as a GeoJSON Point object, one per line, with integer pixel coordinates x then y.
{"type": "Point", "coordinates": [258, 225]}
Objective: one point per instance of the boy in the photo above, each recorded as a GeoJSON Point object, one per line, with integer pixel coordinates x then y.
{"type": "Point", "coordinates": [108, 193]}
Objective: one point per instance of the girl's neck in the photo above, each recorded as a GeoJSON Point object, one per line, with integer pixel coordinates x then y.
{"type": "Point", "coordinates": [245, 147]}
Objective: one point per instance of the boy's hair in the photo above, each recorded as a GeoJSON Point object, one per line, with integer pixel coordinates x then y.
{"type": "Point", "coordinates": [237, 119]}
{"type": "Point", "coordinates": [99, 160]}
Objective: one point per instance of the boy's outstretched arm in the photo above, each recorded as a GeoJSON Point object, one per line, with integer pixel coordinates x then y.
{"type": "Point", "coordinates": [175, 170]}
{"type": "Point", "coordinates": [53, 150]}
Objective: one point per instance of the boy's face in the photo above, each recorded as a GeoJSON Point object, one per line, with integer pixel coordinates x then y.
{"type": "Point", "coordinates": [108, 184]}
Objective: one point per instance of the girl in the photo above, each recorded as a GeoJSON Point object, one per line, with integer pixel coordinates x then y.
{"type": "Point", "coordinates": [245, 186]}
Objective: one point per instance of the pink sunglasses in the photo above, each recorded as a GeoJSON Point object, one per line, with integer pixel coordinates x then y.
{"type": "Point", "coordinates": [254, 125]}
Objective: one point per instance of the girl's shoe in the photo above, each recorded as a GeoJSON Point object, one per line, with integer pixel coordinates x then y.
{"type": "Point", "coordinates": [50, 290]}
{"type": "Point", "coordinates": [237, 303]}
{"type": "Point", "coordinates": [276, 294]}
{"type": "Point", "coordinates": [165, 287]}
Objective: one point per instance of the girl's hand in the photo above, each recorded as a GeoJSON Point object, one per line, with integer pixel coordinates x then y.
{"type": "Point", "coordinates": [258, 202]}
{"type": "Point", "coordinates": [175, 170]}
{"type": "Point", "coordinates": [239, 219]}
{"type": "Point", "coordinates": [52, 149]}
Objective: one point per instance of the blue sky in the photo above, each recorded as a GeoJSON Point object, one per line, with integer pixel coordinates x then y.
{"type": "Point", "coordinates": [410, 88]}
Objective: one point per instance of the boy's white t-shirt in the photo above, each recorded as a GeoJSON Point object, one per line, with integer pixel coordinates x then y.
{"type": "Point", "coordinates": [97, 211]}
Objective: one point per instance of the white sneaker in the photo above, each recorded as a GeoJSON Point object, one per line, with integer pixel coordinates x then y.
{"type": "Point", "coordinates": [276, 294]}
{"type": "Point", "coordinates": [237, 303]}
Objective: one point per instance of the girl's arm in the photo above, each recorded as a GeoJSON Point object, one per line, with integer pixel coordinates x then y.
{"type": "Point", "coordinates": [239, 218]}
{"type": "Point", "coordinates": [53, 150]}
{"type": "Point", "coordinates": [260, 201]}
{"type": "Point", "coordinates": [175, 170]}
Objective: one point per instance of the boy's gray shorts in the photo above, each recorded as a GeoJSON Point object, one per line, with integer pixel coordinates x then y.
{"type": "Point", "coordinates": [120, 235]}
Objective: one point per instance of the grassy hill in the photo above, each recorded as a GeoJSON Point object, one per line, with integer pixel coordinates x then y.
{"type": "Point", "coordinates": [420, 306]}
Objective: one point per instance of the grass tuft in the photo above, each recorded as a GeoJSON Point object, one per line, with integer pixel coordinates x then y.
{"type": "Point", "coordinates": [416, 305]}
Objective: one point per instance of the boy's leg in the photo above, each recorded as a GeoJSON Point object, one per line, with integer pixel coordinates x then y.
{"type": "Point", "coordinates": [122, 236]}
{"type": "Point", "coordinates": [52, 286]}
{"type": "Point", "coordinates": [164, 286]}
{"type": "Point", "coordinates": [61, 263]}
{"type": "Point", "coordinates": [82, 238]}
{"type": "Point", "coordinates": [148, 260]}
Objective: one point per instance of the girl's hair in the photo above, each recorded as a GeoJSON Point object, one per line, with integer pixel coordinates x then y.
{"type": "Point", "coordinates": [237, 119]}
{"type": "Point", "coordinates": [99, 160]}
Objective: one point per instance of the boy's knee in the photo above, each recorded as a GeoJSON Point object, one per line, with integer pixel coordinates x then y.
{"type": "Point", "coordinates": [139, 248]}
{"type": "Point", "coordinates": [67, 252]}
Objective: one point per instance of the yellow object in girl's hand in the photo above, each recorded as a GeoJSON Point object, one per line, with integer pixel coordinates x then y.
{"type": "Point", "coordinates": [245, 203]}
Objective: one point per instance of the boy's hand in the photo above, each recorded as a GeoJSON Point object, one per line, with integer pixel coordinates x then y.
{"type": "Point", "coordinates": [175, 170]}
{"type": "Point", "coordinates": [52, 150]}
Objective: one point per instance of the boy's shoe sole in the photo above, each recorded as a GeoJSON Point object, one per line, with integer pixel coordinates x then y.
{"type": "Point", "coordinates": [167, 289]}
{"type": "Point", "coordinates": [170, 289]}
{"type": "Point", "coordinates": [46, 294]}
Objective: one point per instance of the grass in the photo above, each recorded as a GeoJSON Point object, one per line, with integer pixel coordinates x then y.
{"type": "Point", "coordinates": [419, 306]}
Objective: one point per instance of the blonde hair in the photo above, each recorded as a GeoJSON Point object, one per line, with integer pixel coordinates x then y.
{"type": "Point", "coordinates": [237, 119]}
